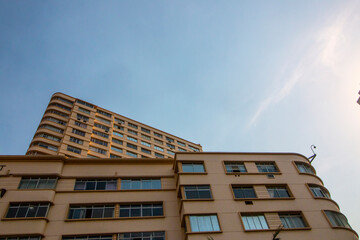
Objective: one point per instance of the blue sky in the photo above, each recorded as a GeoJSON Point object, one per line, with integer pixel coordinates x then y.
{"type": "Point", "coordinates": [244, 76]}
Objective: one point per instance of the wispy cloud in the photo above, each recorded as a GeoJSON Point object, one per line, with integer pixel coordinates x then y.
{"type": "Point", "coordinates": [323, 52]}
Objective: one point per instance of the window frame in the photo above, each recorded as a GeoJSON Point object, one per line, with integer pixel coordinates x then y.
{"type": "Point", "coordinates": [38, 182]}
{"type": "Point", "coordinates": [291, 196]}
{"type": "Point", "coordinates": [307, 226]}
{"type": "Point", "coordinates": [267, 163]}
{"type": "Point", "coordinates": [310, 185]}
{"type": "Point", "coordinates": [232, 186]}
{"type": "Point", "coordinates": [141, 210]}
{"type": "Point", "coordinates": [96, 180]}
{"type": "Point", "coordinates": [188, 223]}
{"type": "Point", "coordinates": [245, 214]}
{"type": "Point", "coordinates": [183, 193]}
{"type": "Point", "coordinates": [192, 162]}
{"type": "Point", "coordinates": [234, 173]}
{"type": "Point", "coordinates": [141, 184]}
{"type": "Point", "coordinates": [338, 227]}
{"type": "Point", "coordinates": [18, 204]}
{"type": "Point", "coordinates": [307, 164]}
{"type": "Point", "coordinates": [92, 207]}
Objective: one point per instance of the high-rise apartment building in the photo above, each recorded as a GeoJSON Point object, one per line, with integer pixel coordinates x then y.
{"type": "Point", "coordinates": [195, 196]}
{"type": "Point", "coordinates": [75, 128]}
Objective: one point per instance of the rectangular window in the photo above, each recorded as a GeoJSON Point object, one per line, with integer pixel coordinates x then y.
{"type": "Point", "coordinates": [158, 135]}
{"type": "Point", "coordinates": [170, 152]}
{"type": "Point", "coordinates": [114, 156]}
{"type": "Point", "coordinates": [194, 148]}
{"type": "Point", "coordinates": [305, 168]}
{"type": "Point", "coordinates": [141, 210]}
{"type": "Point", "coordinates": [278, 192]}
{"type": "Point", "coordinates": [98, 125]}
{"type": "Point", "coordinates": [119, 121]}
{"type": "Point", "coordinates": [27, 210]}
{"type": "Point", "coordinates": [145, 151]}
{"type": "Point", "coordinates": [169, 139]}
{"type": "Point", "coordinates": [158, 148]}
{"type": "Point", "coordinates": [38, 183]}
{"type": "Point", "coordinates": [235, 167]}
{"type": "Point", "coordinates": [181, 150]}
{"type": "Point", "coordinates": [118, 127]}
{"type": "Point", "coordinates": [146, 144]}
{"type": "Point", "coordinates": [45, 145]}
{"type": "Point", "coordinates": [76, 140]}
{"type": "Point", "coordinates": [94, 211]}
{"type": "Point", "coordinates": [337, 219]}
{"type": "Point", "coordinates": [145, 137]}
{"type": "Point", "coordinates": [319, 191]}
{"type": "Point", "coordinates": [132, 139]}
{"type": "Point", "coordinates": [98, 150]}
{"type": "Point", "coordinates": [96, 184]}
{"type": "Point", "coordinates": [104, 135]}
{"type": "Point", "coordinates": [82, 125]}
{"type": "Point", "coordinates": [88, 237]}
{"type": "Point", "coordinates": [100, 142]}
{"type": "Point", "coordinates": [60, 106]}
{"type": "Point", "coordinates": [63, 100]}
{"type": "Point", "coordinates": [292, 220]}
{"type": "Point", "coordinates": [138, 184]}
{"type": "Point", "coordinates": [181, 144]}
{"type": "Point", "coordinates": [116, 149]}
{"type": "Point", "coordinates": [132, 125]}
{"type": "Point", "coordinates": [254, 222]}
{"type": "Point", "coordinates": [78, 132]}
{"type": "Point", "coordinates": [33, 237]}
{"type": "Point", "coordinates": [170, 146]}
{"type": "Point", "coordinates": [58, 113]}
{"type": "Point", "coordinates": [73, 149]}
{"type": "Point", "coordinates": [193, 167]}
{"type": "Point", "coordinates": [266, 167]}
{"type": "Point", "coordinates": [158, 155]}
{"type": "Point", "coordinates": [85, 103]}
{"type": "Point", "coordinates": [48, 136]}
{"type": "Point", "coordinates": [51, 119]}
{"type": "Point", "coordinates": [84, 110]}
{"type": "Point", "coordinates": [197, 192]}
{"type": "Point", "coordinates": [55, 129]}
{"type": "Point", "coordinates": [145, 130]}
{"type": "Point", "coordinates": [158, 141]}
{"type": "Point", "coordinates": [103, 120]}
{"type": "Point", "coordinates": [244, 192]}
{"type": "Point", "coordinates": [82, 117]}
{"type": "Point", "coordinates": [118, 134]}
{"type": "Point", "coordinates": [132, 132]}
{"type": "Point", "coordinates": [140, 236]}
{"type": "Point", "coordinates": [117, 141]}
{"type": "Point", "coordinates": [131, 154]}
{"type": "Point", "coordinates": [129, 145]}
{"type": "Point", "coordinates": [204, 223]}
{"type": "Point", "coordinates": [103, 113]}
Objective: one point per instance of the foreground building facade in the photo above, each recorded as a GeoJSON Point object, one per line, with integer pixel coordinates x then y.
{"type": "Point", "coordinates": [75, 128]}
{"type": "Point", "coordinates": [195, 196]}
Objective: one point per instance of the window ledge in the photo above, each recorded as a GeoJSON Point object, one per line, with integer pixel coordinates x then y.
{"type": "Point", "coordinates": [113, 218]}
{"type": "Point", "coordinates": [118, 190]}
{"type": "Point", "coordinates": [253, 173]}
{"type": "Point", "coordinates": [197, 199]}
{"type": "Point", "coordinates": [328, 199]}
{"type": "Point", "coordinates": [192, 173]}
{"type": "Point", "coordinates": [207, 232]}
{"type": "Point", "coordinates": [254, 199]}
{"type": "Point", "coordinates": [283, 229]}
{"type": "Point", "coordinates": [25, 218]}
{"type": "Point", "coordinates": [345, 228]}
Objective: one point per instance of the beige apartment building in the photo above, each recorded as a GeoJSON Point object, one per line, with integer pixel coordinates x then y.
{"type": "Point", "coordinates": [194, 196]}
{"type": "Point", "coordinates": [74, 128]}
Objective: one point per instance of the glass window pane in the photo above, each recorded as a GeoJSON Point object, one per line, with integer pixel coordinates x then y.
{"type": "Point", "coordinates": [42, 210]}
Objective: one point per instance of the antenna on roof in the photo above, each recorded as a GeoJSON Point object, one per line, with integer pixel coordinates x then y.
{"type": "Point", "coordinates": [311, 158]}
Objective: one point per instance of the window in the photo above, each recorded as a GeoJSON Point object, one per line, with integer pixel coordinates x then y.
{"type": "Point", "coordinates": [170, 152]}
{"type": "Point", "coordinates": [132, 132]}
{"type": "Point", "coordinates": [48, 136]}
{"type": "Point", "coordinates": [60, 106]}
{"type": "Point", "coordinates": [319, 191]}
{"type": "Point", "coordinates": [254, 222]}
{"type": "Point", "coordinates": [82, 125]}
{"type": "Point", "coordinates": [116, 149]}
{"type": "Point", "coordinates": [63, 100]}
{"type": "Point", "coordinates": [129, 145]}
{"type": "Point", "coordinates": [146, 144]}
{"type": "Point", "coordinates": [145, 130]}
{"type": "Point", "coordinates": [132, 125]}
{"type": "Point", "coordinates": [103, 113]}
{"type": "Point", "coordinates": [83, 212]}
{"type": "Point", "coordinates": [85, 103]}
{"type": "Point", "coordinates": [76, 140]}
{"type": "Point", "coordinates": [114, 156]}
{"type": "Point", "coordinates": [104, 135]}
{"type": "Point", "coordinates": [169, 139]}
{"type": "Point", "coordinates": [141, 236]}
{"type": "Point", "coordinates": [158, 141]}
{"type": "Point", "coordinates": [132, 139]}
{"type": "Point", "coordinates": [131, 154]}
{"type": "Point", "coordinates": [181, 144]}
{"type": "Point", "coordinates": [88, 237]}
{"type": "Point", "coordinates": [98, 150]}
{"type": "Point", "coordinates": [158, 155]}
{"type": "Point", "coordinates": [78, 132]}
{"type": "Point", "coordinates": [84, 110]}
{"type": "Point", "coordinates": [278, 192]}
{"type": "Point", "coordinates": [91, 156]}
{"type": "Point", "coordinates": [103, 120]}
{"type": "Point", "coordinates": [235, 167]}
{"type": "Point", "coordinates": [45, 145]}
{"type": "Point", "coordinates": [305, 168]}
{"type": "Point", "coordinates": [119, 127]}
{"type": "Point", "coordinates": [58, 113]}
{"type": "Point", "coordinates": [137, 184]}
{"type": "Point", "coordinates": [82, 117]}
{"type": "Point", "coordinates": [205, 223]}
{"type": "Point", "coordinates": [96, 184]}
{"type": "Point", "coordinates": [158, 148]}
{"type": "Point", "coordinates": [244, 192]}
{"type": "Point", "coordinates": [266, 167]}
{"type": "Point", "coordinates": [118, 134]}
{"type": "Point", "coordinates": [27, 210]}
{"type": "Point", "coordinates": [158, 135]}
{"type": "Point", "coordinates": [100, 142]}
{"type": "Point", "coordinates": [54, 120]}
{"type": "Point", "coordinates": [38, 183]}
{"type": "Point", "coordinates": [194, 148]}
{"type": "Point", "coordinates": [114, 140]}
{"type": "Point", "coordinates": [145, 137]}
{"type": "Point", "coordinates": [292, 220]}
{"type": "Point", "coordinates": [197, 192]}
{"type": "Point", "coordinates": [145, 151]}
{"type": "Point", "coordinates": [181, 150]}
{"type": "Point", "coordinates": [55, 129]}
{"type": "Point", "coordinates": [98, 125]}
{"type": "Point", "coordinates": [170, 146]}
{"type": "Point", "coordinates": [193, 167]}
{"type": "Point", "coordinates": [337, 219]}
{"type": "Point", "coordinates": [21, 238]}
{"type": "Point", "coordinates": [73, 149]}
{"type": "Point", "coordinates": [141, 210]}
{"type": "Point", "coordinates": [119, 121]}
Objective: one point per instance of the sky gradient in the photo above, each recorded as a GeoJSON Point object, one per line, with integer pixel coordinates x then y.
{"type": "Point", "coordinates": [241, 76]}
